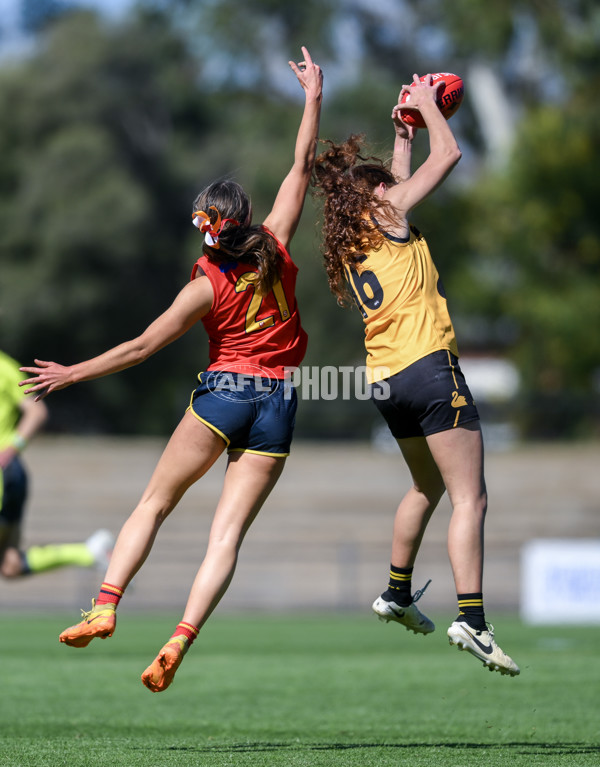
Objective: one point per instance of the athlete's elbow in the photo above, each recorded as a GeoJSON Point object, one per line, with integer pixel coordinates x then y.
{"type": "Point", "coordinates": [139, 350]}
{"type": "Point", "coordinates": [450, 159]}
{"type": "Point", "coordinates": [453, 155]}
{"type": "Point", "coordinates": [447, 156]}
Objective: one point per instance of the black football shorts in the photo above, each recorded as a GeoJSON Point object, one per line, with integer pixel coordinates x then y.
{"type": "Point", "coordinates": [427, 397]}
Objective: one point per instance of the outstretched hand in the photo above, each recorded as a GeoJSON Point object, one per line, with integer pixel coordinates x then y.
{"type": "Point", "coordinates": [309, 75]}
{"type": "Point", "coordinates": [47, 377]}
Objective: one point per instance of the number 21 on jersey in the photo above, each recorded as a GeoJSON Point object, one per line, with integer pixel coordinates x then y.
{"type": "Point", "coordinates": [247, 281]}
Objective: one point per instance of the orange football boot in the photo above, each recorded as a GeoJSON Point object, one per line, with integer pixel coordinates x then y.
{"type": "Point", "coordinates": [98, 622]}
{"type": "Point", "coordinates": [159, 674]}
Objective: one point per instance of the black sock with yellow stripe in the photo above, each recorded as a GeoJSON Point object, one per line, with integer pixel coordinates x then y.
{"type": "Point", "coordinates": [470, 610]}
{"type": "Point", "coordinates": [400, 586]}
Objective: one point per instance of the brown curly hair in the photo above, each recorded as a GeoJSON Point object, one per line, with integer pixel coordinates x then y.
{"type": "Point", "coordinates": [346, 180]}
{"type": "Point", "coordinates": [250, 244]}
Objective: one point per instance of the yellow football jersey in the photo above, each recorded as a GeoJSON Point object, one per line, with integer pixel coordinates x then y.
{"type": "Point", "coordinates": [10, 398]}
{"type": "Point", "coordinates": [399, 293]}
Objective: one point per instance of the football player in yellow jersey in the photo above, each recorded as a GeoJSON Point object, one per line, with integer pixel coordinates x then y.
{"type": "Point", "coordinates": [21, 418]}
{"type": "Point", "coordinates": [375, 256]}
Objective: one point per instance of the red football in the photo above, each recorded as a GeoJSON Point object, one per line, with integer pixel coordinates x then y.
{"type": "Point", "coordinates": [449, 98]}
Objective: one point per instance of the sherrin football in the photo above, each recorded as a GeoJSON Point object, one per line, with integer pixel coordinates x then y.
{"type": "Point", "coordinates": [449, 98]}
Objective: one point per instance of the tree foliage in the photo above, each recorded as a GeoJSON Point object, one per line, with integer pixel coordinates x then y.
{"type": "Point", "coordinates": [99, 163]}
{"type": "Point", "coordinates": [109, 130]}
{"type": "Point", "coordinates": [531, 265]}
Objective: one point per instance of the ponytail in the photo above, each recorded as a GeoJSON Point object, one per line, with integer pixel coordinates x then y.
{"type": "Point", "coordinates": [223, 213]}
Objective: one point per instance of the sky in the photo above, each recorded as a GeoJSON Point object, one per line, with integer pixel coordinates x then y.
{"type": "Point", "coordinates": [9, 8]}
{"type": "Point", "coordinates": [12, 41]}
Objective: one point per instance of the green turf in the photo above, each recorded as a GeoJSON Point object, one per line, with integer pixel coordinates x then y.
{"type": "Point", "coordinates": [263, 691]}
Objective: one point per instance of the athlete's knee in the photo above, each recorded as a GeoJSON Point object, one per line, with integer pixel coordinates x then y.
{"type": "Point", "coordinates": [483, 507]}
{"type": "Point", "coordinates": [224, 550]}
{"type": "Point", "coordinates": [11, 565]}
{"type": "Point", "coordinates": [480, 503]}
{"type": "Point", "coordinates": [432, 489]}
{"type": "Point", "coordinates": [474, 506]}
{"type": "Point", "coordinates": [154, 506]}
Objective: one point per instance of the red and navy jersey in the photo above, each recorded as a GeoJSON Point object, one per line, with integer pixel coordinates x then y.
{"type": "Point", "coordinates": [250, 333]}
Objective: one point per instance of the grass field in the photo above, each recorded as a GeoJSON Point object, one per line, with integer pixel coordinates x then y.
{"type": "Point", "coordinates": [310, 690]}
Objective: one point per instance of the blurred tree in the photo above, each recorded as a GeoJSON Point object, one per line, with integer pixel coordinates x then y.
{"type": "Point", "coordinates": [99, 163]}
{"type": "Point", "coordinates": [109, 130]}
{"type": "Point", "coordinates": [539, 263]}
{"type": "Point", "coordinates": [528, 237]}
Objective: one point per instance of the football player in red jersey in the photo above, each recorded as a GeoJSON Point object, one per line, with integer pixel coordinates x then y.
{"type": "Point", "coordinates": [242, 290]}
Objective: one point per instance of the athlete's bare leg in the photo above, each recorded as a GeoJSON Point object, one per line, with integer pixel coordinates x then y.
{"type": "Point", "coordinates": [248, 481]}
{"type": "Point", "coordinates": [459, 455]}
{"type": "Point", "coordinates": [419, 503]}
{"type": "Point", "coordinates": [191, 451]}
{"type": "Point", "coordinates": [11, 562]}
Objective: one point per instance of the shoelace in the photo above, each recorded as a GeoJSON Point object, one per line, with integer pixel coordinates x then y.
{"type": "Point", "coordinates": [85, 614]}
{"type": "Point", "coordinates": [490, 630]}
{"type": "Point", "coordinates": [419, 592]}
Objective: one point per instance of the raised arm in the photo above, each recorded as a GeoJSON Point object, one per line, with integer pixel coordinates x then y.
{"type": "Point", "coordinates": [444, 152]}
{"type": "Point", "coordinates": [404, 135]}
{"type": "Point", "coordinates": [192, 303]}
{"type": "Point", "coordinates": [287, 208]}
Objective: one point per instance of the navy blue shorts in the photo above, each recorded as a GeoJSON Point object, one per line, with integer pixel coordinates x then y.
{"type": "Point", "coordinates": [252, 414]}
{"type": "Point", "coordinates": [14, 493]}
{"type": "Point", "coordinates": [427, 397]}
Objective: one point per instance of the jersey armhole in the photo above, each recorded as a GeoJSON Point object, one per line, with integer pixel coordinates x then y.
{"type": "Point", "coordinates": [199, 271]}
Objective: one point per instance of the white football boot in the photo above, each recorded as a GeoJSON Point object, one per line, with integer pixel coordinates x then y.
{"type": "Point", "coordinates": [481, 644]}
{"type": "Point", "coordinates": [410, 617]}
{"type": "Point", "coordinates": [100, 545]}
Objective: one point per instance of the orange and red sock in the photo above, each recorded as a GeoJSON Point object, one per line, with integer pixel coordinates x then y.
{"type": "Point", "coordinates": [109, 594]}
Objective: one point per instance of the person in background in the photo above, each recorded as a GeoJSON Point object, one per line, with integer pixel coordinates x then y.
{"type": "Point", "coordinates": [21, 418]}
{"type": "Point", "coordinates": [376, 257]}
{"type": "Point", "coordinates": [243, 291]}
